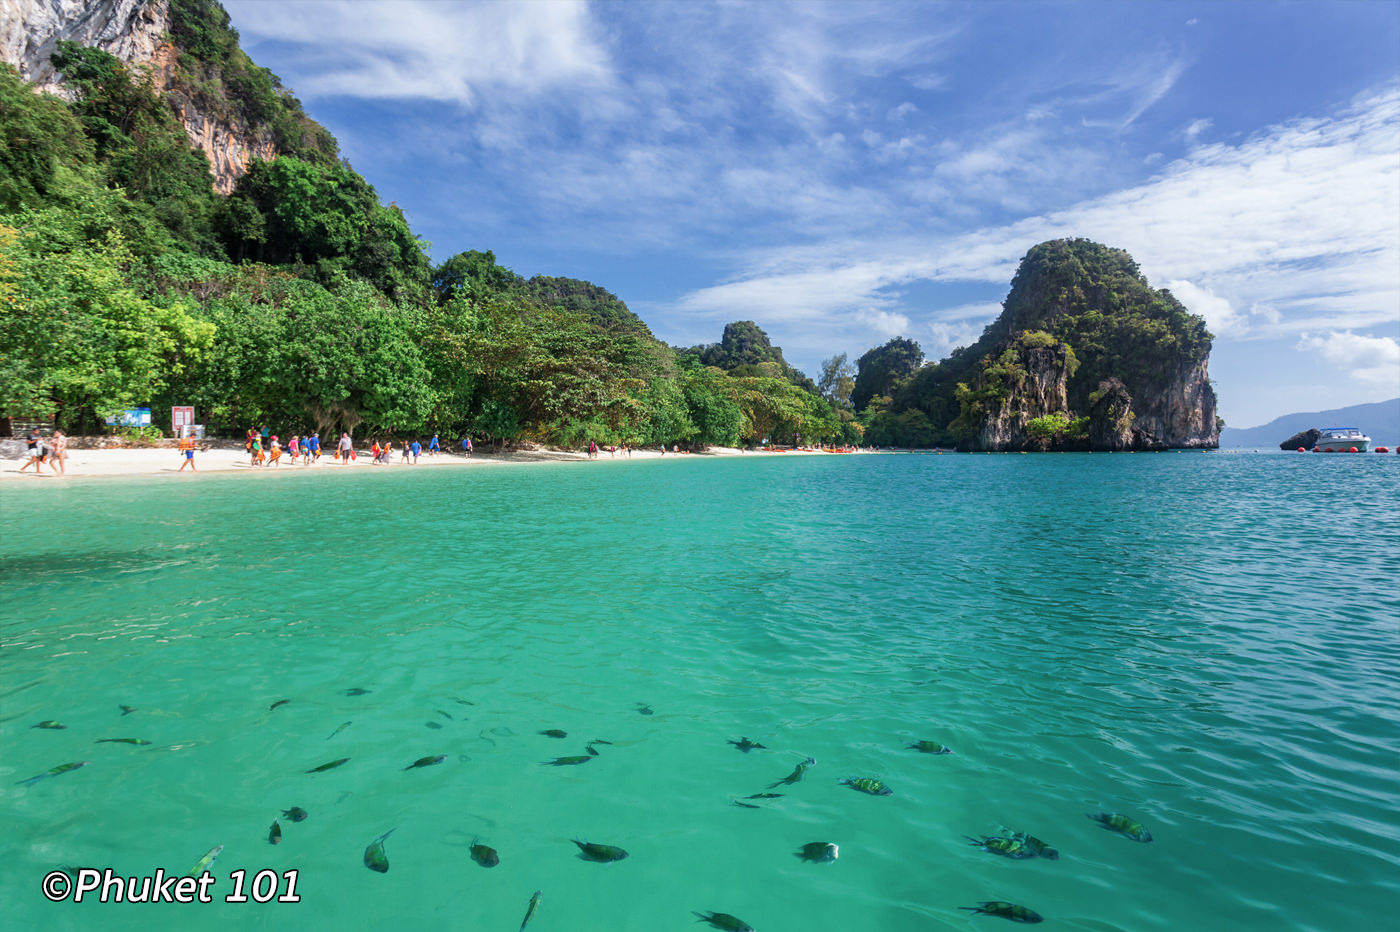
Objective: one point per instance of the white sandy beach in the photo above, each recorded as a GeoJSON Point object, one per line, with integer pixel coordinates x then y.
{"type": "Point", "coordinates": [166, 462]}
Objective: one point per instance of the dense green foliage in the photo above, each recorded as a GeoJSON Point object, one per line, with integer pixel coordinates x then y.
{"type": "Point", "coordinates": [879, 369]}
{"type": "Point", "coordinates": [301, 300]}
{"type": "Point", "coordinates": [745, 350]}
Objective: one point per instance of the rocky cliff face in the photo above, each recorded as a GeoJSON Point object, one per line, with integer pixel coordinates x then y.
{"type": "Point", "coordinates": [1181, 415]}
{"type": "Point", "coordinates": [136, 31]}
{"type": "Point", "coordinates": [1036, 378]}
{"type": "Point", "coordinates": [30, 30]}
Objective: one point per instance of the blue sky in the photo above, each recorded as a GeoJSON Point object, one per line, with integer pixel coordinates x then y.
{"type": "Point", "coordinates": [843, 173]}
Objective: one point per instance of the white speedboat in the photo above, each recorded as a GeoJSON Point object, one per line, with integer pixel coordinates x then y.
{"type": "Point", "coordinates": [1341, 440]}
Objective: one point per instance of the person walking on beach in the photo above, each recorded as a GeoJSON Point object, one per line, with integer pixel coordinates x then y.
{"type": "Point", "coordinates": [293, 448]}
{"type": "Point", "coordinates": [38, 453]}
{"type": "Point", "coordinates": [417, 449]}
{"type": "Point", "coordinates": [405, 450]}
{"type": "Point", "coordinates": [467, 446]}
{"type": "Point", "coordinates": [433, 447]}
{"type": "Point", "coordinates": [593, 449]}
{"type": "Point", "coordinates": [266, 436]}
{"type": "Point", "coordinates": [313, 447]}
{"type": "Point", "coordinates": [347, 447]}
{"type": "Point", "coordinates": [187, 449]}
{"type": "Point", "coordinates": [256, 453]}
{"type": "Point", "coordinates": [274, 452]}
{"type": "Point", "coordinates": [58, 453]}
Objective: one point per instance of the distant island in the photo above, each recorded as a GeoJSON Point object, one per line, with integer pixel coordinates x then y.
{"type": "Point", "coordinates": [1381, 420]}
{"type": "Point", "coordinates": [176, 230]}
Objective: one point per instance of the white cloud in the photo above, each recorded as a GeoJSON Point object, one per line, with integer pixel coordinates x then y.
{"type": "Point", "coordinates": [1222, 319]}
{"type": "Point", "coordinates": [1373, 361]}
{"type": "Point", "coordinates": [432, 51]}
{"type": "Point", "coordinates": [1196, 128]}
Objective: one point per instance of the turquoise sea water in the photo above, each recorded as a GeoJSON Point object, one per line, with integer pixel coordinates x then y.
{"type": "Point", "coordinates": [1205, 642]}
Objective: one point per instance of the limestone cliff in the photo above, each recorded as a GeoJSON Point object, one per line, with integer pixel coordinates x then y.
{"type": "Point", "coordinates": [139, 32]}
{"type": "Point", "coordinates": [1141, 380]}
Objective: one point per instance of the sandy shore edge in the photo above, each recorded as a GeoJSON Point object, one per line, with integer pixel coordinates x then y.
{"type": "Point", "coordinates": [131, 463]}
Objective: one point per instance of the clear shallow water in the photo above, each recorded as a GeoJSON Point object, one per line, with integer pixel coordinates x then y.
{"type": "Point", "coordinates": [1207, 642]}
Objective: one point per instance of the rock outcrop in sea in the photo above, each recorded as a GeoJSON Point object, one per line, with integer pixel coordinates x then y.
{"type": "Point", "coordinates": [1307, 439]}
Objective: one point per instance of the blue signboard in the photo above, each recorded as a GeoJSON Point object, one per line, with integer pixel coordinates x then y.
{"type": "Point", "coordinates": [132, 417]}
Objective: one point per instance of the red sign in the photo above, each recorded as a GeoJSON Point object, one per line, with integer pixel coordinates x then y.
{"type": "Point", "coordinates": [181, 417]}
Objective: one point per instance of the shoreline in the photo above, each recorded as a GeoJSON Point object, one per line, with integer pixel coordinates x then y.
{"type": "Point", "coordinates": [110, 463]}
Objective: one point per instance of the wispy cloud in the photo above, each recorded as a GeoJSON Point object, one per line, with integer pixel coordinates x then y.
{"type": "Point", "coordinates": [1374, 361]}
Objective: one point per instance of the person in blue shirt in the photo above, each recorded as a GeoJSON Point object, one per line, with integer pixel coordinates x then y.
{"type": "Point", "coordinates": [313, 447]}
{"type": "Point", "coordinates": [433, 448]}
{"type": "Point", "coordinates": [467, 445]}
{"type": "Point", "coordinates": [417, 449]}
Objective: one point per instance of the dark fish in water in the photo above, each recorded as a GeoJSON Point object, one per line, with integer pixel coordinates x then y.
{"type": "Point", "coordinates": [486, 857]}
{"type": "Point", "coordinates": [1036, 847]}
{"type": "Point", "coordinates": [554, 733]}
{"type": "Point", "coordinates": [746, 805]}
{"type": "Point", "coordinates": [296, 814]}
{"type": "Point", "coordinates": [206, 862]}
{"type": "Point", "coordinates": [644, 709]}
{"type": "Point", "coordinates": [931, 747]}
{"type": "Point", "coordinates": [566, 761]}
{"type": "Point", "coordinates": [274, 834]}
{"type": "Point", "coordinates": [867, 785]}
{"type": "Point", "coordinates": [600, 741]}
{"type": "Point", "coordinates": [530, 911]}
{"type": "Point", "coordinates": [338, 730]}
{"type": "Point", "coordinates": [331, 766]}
{"type": "Point", "coordinates": [725, 922]}
{"type": "Point", "coordinates": [51, 724]}
{"type": "Point", "coordinates": [61, 768]}
{"type": "Point", "coordinates": [592, 751]}
{"type": "Point", "coordinates": [127, 709]}
{"type": "Point", "coordinates": [796, 774]}
{"type": "Point", "coordinates": [277, 703]}
{"type": "Point", "coordinates": [462, 701]}
{"type": "Point", "coordinates": [427, 761]}
{"type": "Point", "coordinates": [138, 741]}
{"type": "Point", "coordinates": [1117, 822]}
{"type": "Point", "coordinates": [375, 858]}
{"type": "Point", "coordinates": [1006, 847]}
{"type": "Point", "coordinates": [818, 852]}
{"type": "Point", "coordinates": [765, 796]}
{"type": "Point", "coordinates": [1006, 911]}
{"type": "Point", "coordinates": [433, 724]}
{"type": "Point", "coordinates": [745, 745]}
{"type": "Point", "coordinates": [443, 714]}
{"type": "Point", "coordinates": [357, 691]}
{"type": "Point", "coordinates": [600, 853]}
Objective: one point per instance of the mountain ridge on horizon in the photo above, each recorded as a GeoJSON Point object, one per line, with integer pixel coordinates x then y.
{"type": "Point", "coordinates": [1379, 419]}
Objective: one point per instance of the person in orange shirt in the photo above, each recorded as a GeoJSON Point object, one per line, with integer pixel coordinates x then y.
{"type": "Point", "coordinates": [187, 448]}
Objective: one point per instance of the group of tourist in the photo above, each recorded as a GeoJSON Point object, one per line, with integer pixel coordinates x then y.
{"type": "Point", "coordinates": [265, 449]}
{"type": "Point", "coordinates": [52, 450]}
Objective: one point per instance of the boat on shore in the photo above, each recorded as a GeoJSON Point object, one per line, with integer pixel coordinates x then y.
{"type": "Point", "coordinates": [1342, 440]}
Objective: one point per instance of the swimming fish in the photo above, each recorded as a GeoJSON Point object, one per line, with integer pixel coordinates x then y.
{"type": "Point", "coordinates": [61, 768]}
{"type": "Point", "coordinates": [375, 858]}
{"type": "Point", "coordinates": [931, 747]}
{"type": "Point", "coordinates": [1037, 847]}
{"type": "Point", "coordinates": [357, 691]}
{"type": "Point", "coordinates": [644, 709]}
{"type": "Point", "coordinates": [819, 852]}
{"type": "Point", "coordinates": [206, 862]}
{"type": "Point", "coordinates": [867, 785]}
{"type": "Point", "coordinates": [433, 724]}
{"type": "Point", "coordinates": [274, 834]}
{"type": "Point", "coordinates": [137, 741]}
{"type": "Point", "coordinates": [1006, 847]}
{"type": "Point", "coordinates": [600, 853]}
{"type": "Point", "coordinates": [726, 922]}
{"type": "Point", "coordinates": [427, 761]}
{"type": "Point", "coordinates": [1117, 822]}
{"type": "Point", "coordinates": [462, 701]}
{"type": "Point", "coordinates": [592, 751]}
{"type": "Point", "coordinates": [1006, 911]}
{"type": "Point", "coordinates": [600, 741]}
{"type": "Point", "coordinates": [331, 766]}
{"type": "Point", "coordinates": [745, 745]}
{"type": "Point", "coordinates": [127, 709]}
{"type": "Point", "coordinates": [530, 911]}
{"type": "Point", "coordinates": [486, 857]}
{"type": "Point", "coordinates": [554, 733]}
{"type": "Point", "coordinates": [765, 796]}
{"type": "Point", "coordinates": [745, 805]}
{"type": "Point", "coordinates": [796, 774]}
{"type": "Point", "coordinates": [338, 730]}
{"type": "Point", "coordinates": [51, 724]}
{"type": "Point", "coordinates": [566, 761]}
{"type": "Point", "coordinates": [277, 703]}
{"type": "Point", "coordinates": [296, 814]}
